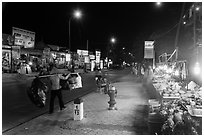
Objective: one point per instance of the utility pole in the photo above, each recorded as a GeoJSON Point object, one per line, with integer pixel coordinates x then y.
{"type": "Point", "coordinates": [194, 32]}
{"type": "Point", "coordinates": [178, 30]}
{"type": "Point", "coordinates": [69, 35]}
{"type": "Point", "coordinates": [87, 45]}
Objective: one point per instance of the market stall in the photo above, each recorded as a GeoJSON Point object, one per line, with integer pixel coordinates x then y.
{"type": "Point", "coordinates": [180, 111]}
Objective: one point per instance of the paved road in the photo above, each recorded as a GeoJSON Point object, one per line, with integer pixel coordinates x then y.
{"type": "Point", "coordinates": [17, 108]}
{"type": "Point", "coordinates": [129, 119]}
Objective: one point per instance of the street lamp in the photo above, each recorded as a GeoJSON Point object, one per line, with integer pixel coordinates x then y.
{"type": "Point", "coordinates": [158, 3]}
{"type": "Point", "coordinates": [77, 14]}
{"type": "Point", "coordinates": [113, 40]}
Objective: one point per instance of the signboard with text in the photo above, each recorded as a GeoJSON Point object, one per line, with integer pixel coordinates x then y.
{"type": "Point", "coordinates": [98, 55]}
{"type": "Point", "coordinates": [92, 57]}
{"type": "Point", "coordinates": [23, 37]}
{"type": "Point", "coordinates": [82, 52]}
{"type": "Point", "coordinates": [149, 50]}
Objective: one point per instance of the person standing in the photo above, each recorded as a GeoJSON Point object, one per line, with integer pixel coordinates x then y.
{"type": "Point", "coordinates": [56, 89]}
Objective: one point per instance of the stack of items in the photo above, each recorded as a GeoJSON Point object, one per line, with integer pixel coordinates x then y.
{"type": "Point", "coordinates": [178, 120]}
{"type": "Point", "coordinates": [181, 107]}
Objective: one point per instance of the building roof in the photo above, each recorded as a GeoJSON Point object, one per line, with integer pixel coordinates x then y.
{"type": "Point", "coordinates": [6, 38]}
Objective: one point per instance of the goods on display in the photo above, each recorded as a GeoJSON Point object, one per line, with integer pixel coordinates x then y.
{"type": "Point", "coordinates": [180, 109]}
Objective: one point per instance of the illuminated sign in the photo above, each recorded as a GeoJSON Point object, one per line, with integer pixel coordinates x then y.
{"type": "Point", "coordinates": [68, 57]}
{"type": "Point", "coordinates": [82, 52]}
{"type": "Point", "coordinates": [92, 57]}
{"type": "Point", "coordinates": [149, 49]}
{"type": "Point", "coordinates": [86, 59]}
{"type": "Point", "coordinates": [23, 37]}
{"type": "Point", "coordinates": [98, 55]}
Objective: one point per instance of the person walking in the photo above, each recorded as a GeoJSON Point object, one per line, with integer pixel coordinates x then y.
{"type": "Point", "coordinates": [56, 89]}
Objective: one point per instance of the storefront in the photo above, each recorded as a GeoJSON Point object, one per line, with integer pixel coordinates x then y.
{"type": "Point", "coordinates": [6, 58]}
{"type": "Point", "coordinates": [10, 57]}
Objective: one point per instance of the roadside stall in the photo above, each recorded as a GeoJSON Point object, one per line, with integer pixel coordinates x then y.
{"type": "Point", "coordinates": [180, 111]}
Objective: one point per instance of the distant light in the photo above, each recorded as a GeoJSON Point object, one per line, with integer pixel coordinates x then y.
{"type": "Point", "coordinates": [176, 73]}
{"type": "Point", "coordinates": [123, 47]}
{"type": "Point", "coordinates": [158, 3]}
{"type": "Point", "coordinates": [197, 8]}
{"type": "Point", "coordinates": [184, 22]}
{"type": "Point", "coordinates": [77, 14]}
{"type": "Point", "coordinates": [197, 68]}
{"type": "Point", "coordinates": [30, 63]}
{"type": "Point", "coordinates": [113, 40]}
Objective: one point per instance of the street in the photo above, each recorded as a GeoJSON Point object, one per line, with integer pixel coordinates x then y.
{"type": "Point", "coordinates": [102, 68]}
{"type": "Point", "coordinates": [130, 118]}
{"type": "Point", "coordinates": [17, 107]}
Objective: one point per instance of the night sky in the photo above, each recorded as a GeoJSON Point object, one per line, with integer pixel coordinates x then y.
{"type": "Point", "coordinates": [129, 22]}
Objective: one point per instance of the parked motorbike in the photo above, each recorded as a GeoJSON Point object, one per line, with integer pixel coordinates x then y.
{"type": "Point", "coordinates": [37, 92]}
{"type": "Point", "coordinates": [101, 83]}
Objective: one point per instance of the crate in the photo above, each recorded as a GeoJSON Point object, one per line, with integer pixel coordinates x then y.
{"type": "Point", "coordinates": [153, 105]}
{"type": "Point", "coordinates": [167, 99]}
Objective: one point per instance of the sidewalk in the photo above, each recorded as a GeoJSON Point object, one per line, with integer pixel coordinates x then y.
{"type": "Point", "coordinates": [129, 119]}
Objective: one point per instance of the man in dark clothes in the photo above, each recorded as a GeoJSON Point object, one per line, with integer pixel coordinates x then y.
{"type": "Point", "coordinates": [56, 89]}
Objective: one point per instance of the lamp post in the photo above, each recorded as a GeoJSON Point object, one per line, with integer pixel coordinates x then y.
{"type": "Point", "coordinates": [112, 40]}
{"type": "Point", "coordinates": [77, 14]}
{"type": "Point", "coordinates": [158, 4]}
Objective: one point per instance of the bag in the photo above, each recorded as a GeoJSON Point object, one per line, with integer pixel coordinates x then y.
{"type": "Point", "coordinates": [37, 92]}
{"type": "Point", "coordinates": [64, 84]}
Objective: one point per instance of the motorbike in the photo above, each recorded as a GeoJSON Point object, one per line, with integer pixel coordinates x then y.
{"type": "Point", "coordinates": [37, 92]}
{"type": "Point", "coordinates": [101, 83]}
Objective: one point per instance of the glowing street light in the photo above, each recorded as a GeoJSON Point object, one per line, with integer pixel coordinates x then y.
{"type": "Point", "coordinates": [77, 14]}
{"type": "Point", "coordinates": [158, 4]}
{"type": "Point", "coordinates": [113, 40]}
{"type": "Point", "coordinates": [197, 8]}
{"type": "Point", "coordinates": [197, 68]}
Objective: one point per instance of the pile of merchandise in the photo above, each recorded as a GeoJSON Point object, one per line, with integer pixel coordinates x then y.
{"type": "Point", "coordinates": [181, 106]}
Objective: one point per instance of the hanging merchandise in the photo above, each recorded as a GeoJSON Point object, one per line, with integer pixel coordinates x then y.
{"type": "Point", "coordinates": [37, 92]}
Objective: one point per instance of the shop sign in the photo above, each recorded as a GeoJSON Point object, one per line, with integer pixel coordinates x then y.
{"type": "Point", "coordinates": [149, 49]}
{"type": "Point", "coordinates": [82, 52]}
{"type": "Point", "coordinates": [92, 57]}
{"type": "Point", "coordinates": [6, 47]}
{"type": "Point", "coordinates": [68, 57]}
{"type": "Point", "coordinates": [86, 59]}
{"type": "Point", "coordinates": [98, 55]}
{"type": "Point", "coordinates": [23, 37]}
{"type": "Point", "coordinates": [97, 59]}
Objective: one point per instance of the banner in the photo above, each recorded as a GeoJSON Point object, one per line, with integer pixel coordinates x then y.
{"type": "Point", "coordinates": [86, 59]}
{"type": "Point", "coordinates": [149, 50]}
{"type": "Point", "coordinates": [82, 52]}
{"type": "Point", "coordinates": [92, 57]}
{"type": "Point", "coordinates": [68, 57]}
{"type": "Point", "coordinates": [23, 37]}
{"type": "Point", "coordinates": [98, 55]}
